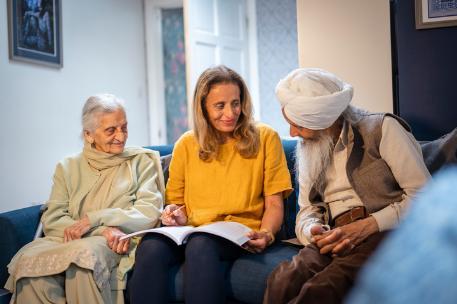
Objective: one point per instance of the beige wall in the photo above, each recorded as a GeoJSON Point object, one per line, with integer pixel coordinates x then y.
{"type": "Point", "coordinates": [350, 38]}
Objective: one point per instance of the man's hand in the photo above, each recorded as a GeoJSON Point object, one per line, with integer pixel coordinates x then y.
{"type": "Point", "coordinates": [340, 241]}
{"type": "Point", "coordinates": [77, 230]}
{"type": "Point", "coordinates": [112, 236]}
{"type": "Point", "coordinates": [174, 215]}
{"type": "Point", "coordinates": [259, 240]}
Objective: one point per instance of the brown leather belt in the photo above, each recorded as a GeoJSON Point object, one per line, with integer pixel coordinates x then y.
{"type": "Point", "coordinates": [356, 213]}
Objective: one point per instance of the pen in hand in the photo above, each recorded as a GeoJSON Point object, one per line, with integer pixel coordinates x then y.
{"type": "Point", "coordinates": [171, 218]}
{"type": "Point", "coordinates": [176, 210]}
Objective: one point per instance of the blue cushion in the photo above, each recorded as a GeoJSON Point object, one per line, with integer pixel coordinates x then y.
{"type": "Point", "coordinates": [17, 228]}
{"type": "Point", "coordinates": [5, 296]}
{"type": "Point", "coordinates": [246, 277]}
{"type": "Point", "coordinates": [440, 152]}
{"type": "Point", "coordinates": [163, 150]}
{"type": "Point", "coordinates": [291, 203]}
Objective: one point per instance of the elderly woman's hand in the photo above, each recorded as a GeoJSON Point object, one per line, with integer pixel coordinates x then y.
{"type": "Point", "coordinates": [113, 235]}
{"type": "Point", "coordinates": [174, 215]}
{"type": "Point", "coordinates": [77, 230]}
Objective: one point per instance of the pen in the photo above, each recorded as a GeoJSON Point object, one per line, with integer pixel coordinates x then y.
{"type": "Point", "coordinates": [183, 206]}
{"type": "Point", "coordinates": [172, 212]}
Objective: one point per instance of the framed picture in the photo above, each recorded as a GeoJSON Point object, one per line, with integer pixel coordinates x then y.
{"type": "Point", "coordinates": [436, 13]}
{"type": "Point", "coordinates": [34, 31]}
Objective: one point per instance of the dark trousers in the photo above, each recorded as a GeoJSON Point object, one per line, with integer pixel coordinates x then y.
{"type": "Point", "coordinates": [204, 277]}
{"type": "Point", "coordinates": [315, 278]}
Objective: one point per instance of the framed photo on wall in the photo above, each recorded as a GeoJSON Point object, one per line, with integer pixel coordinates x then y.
{"type": "Point", "coordinates": [34, 31]}
{"type": "Point", "coordinates": [436, 13]}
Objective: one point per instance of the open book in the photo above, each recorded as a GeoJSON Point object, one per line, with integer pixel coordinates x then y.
{"type": "Point", "coordinates": [232, 231]}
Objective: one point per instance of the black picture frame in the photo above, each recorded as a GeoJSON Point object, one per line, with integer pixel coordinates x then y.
{"type": "Point", "coordinates": [34, 31]}
{"type": "Point", "coordinates": [435, 13]}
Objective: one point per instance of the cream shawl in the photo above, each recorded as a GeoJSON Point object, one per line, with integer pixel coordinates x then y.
{"type": "Point", "coordinates": [124, 190]}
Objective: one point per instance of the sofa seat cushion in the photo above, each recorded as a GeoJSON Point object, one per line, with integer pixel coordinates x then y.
{"type": "Point", "coordinates": [246, 277]}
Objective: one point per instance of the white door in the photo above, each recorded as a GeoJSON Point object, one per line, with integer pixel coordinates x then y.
{"type": "Point", "coordinates": [216, 33]}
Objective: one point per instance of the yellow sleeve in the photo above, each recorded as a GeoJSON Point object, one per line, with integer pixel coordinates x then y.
{"type": "Point", "coordinates": [277, 176]}
{"type": "Point", "coordinates": [174, 193]}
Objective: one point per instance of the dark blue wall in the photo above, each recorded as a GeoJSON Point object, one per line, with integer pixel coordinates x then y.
{"type": "Point", "coordinates": [425, 73]}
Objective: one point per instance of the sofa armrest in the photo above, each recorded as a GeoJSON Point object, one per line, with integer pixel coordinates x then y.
{"type": "Point", "coordinates": [17, 228]}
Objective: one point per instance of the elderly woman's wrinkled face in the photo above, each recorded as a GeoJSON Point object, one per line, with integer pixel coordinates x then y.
{"type": "Point", "coordinates": [224, 107]}
{"type": "Point", "coordinates": [111, 134]}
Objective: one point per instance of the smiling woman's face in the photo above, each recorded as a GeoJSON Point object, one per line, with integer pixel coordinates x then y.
{"type": "Point", "coordinates": [111, 134]}
{"type": "Point", "coordinates": [224, 107]}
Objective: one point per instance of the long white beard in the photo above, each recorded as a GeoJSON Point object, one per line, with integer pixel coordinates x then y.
{"type": "Point", "coordinates": [312, 160]}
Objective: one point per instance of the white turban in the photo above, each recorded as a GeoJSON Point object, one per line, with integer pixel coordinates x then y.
{"type": "Point", "coordinates": [313, 98]}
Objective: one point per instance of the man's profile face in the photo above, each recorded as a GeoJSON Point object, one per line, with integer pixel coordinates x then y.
{"type": "Point", "coordinates": [302, 132]}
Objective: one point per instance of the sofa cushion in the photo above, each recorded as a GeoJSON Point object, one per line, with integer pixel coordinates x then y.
{"type": "Point", "coordinates": [290, 204]}
{"type": "Point", "coordinates": [18, 228]}
{"type": "Point", "coordinates": [246, 277]}
{"type": "Point", "coordinates": [165, 162]}
{"type": "Point", "coordinates": [440, 152]}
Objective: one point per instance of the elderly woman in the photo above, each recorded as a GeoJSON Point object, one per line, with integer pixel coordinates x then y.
{"type": "Point", "coordinates": [98, 196]}
{"type": "Point", "coordinates": [226, 169]}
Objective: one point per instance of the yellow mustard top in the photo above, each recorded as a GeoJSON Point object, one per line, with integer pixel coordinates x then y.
{"type": "Point", "coordinates": [231, 188]}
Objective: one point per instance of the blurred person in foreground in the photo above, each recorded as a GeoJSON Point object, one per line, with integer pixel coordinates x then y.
{"type": "Point", "coordinates": [98, 196]}
{"type": "Point", "coordinates": [418, 262]}
{"type": "Point", "coordinates": [357, 171]}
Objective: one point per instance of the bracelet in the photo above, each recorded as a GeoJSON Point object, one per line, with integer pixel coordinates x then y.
{"type": "Point", "coordinates": [270, 235]}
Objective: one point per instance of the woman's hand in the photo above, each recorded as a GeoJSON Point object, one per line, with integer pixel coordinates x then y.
{"type": "Point", "coordinates": [77, 230]}
{"type": "Point", "coordinates": [174, 215]}
{"type": "Point", "coordinates": [112, 236]}
{"type": "Point", "coordinates": [259, 240]}
{"type": "Point", "coordinates": [271, 221]}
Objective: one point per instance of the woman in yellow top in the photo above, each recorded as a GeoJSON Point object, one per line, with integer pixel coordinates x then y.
{"type": "Point", "coordinates": [226, 169]}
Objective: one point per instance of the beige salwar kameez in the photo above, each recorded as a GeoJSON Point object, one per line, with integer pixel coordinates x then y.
{"type": "Point", "coordinates": [124, 191]}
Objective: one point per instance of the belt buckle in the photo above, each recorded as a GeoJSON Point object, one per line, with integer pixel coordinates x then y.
{"type": "Point", "coordinates": [350, 214]}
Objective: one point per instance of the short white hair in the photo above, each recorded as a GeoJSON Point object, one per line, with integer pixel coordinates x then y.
{"type": "Point", "coordinates": [99, 104]}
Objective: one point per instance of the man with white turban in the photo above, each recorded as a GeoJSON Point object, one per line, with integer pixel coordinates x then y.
{"type": "Point", "coordinates": [357, 171]}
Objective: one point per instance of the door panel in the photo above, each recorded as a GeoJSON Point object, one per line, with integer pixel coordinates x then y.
{"type": "Point", "coordinates": [217, 34]}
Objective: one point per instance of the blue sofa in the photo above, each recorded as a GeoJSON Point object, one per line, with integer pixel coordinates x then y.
{"type": "Point", "coordinates": [246, 277]}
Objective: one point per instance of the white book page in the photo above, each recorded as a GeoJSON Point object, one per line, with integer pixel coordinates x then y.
{"type": "Point", "coordinates": [231, 231]}
{"type": "Point", "coordinates": [176, 233]}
